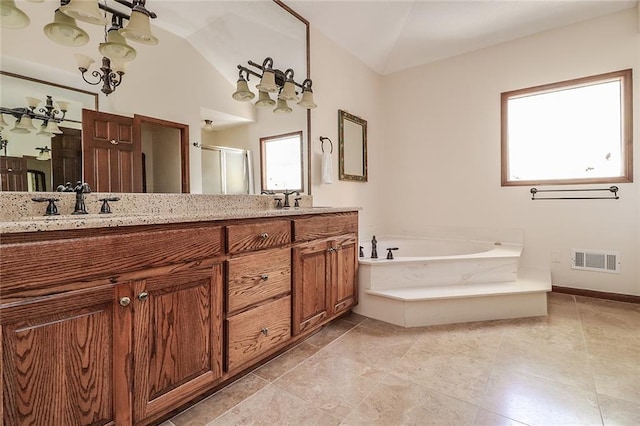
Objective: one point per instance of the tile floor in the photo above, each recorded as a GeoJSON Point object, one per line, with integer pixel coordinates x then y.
{"type": "Point", "coordinates": [578, 366]}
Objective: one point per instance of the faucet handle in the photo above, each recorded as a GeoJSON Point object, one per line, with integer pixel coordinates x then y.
{"type": "Point", "coordinates": [390, 252]}
{"type": "Point", "coordinates": [297, 201]}
{"type": "Point", "coordinates": [278, 203]}
{"type": "Point", "coordinates": [106, 208]}
{"type": "Point", "coordinates": [52, 209]}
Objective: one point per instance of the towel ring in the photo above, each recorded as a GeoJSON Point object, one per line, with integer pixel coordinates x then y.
{"type": "Point", "coordinates": [322, 139]}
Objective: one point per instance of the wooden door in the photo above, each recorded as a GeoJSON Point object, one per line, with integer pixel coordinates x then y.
{"type": "Point", "coordinates": [344, 292]}
{"type": "Point", "coordinates": [13, 173]}
{"type": "Point", "coordinates": [112, 156]}
{"type": "Point", "coordinates": [311, 276]}
{"type": "Point", "coordinates": [177, 338]}
{"type": "Point", "coordinates": [62, 362]}
{"type": "Point", "coordinates": [66, 157]}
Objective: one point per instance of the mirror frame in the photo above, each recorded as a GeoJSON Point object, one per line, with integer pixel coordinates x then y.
{"type": "Point", "coordinates": [342, 116]}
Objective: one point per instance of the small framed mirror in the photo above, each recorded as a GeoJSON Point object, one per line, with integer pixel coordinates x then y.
{"type": "Point", "coordinates": [352, 147]}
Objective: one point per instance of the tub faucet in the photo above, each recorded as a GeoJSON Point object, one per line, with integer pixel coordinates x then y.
{"type": "Point", "coordinates": [374, 248]}
{"type": "Point", "coordinates": [286, 194]}
{"type": "Point", "coordinates": [80, 189]}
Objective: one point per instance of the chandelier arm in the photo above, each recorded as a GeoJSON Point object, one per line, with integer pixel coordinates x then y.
{"type": "Point", "coordinates": [94, 73]}
{"type": "Point", "coordinates": [248, 71]}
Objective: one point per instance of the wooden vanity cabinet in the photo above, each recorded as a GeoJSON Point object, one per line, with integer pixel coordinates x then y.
{"type": "Point", "coordinates": [122, 326]}
{"type": "Point", "coordinates": [324, 268]}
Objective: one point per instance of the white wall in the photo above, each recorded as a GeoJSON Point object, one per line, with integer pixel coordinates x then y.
{"type": "Point", "coordinates": [442, 149]}
{"type": "Point", "coordinates": [340, 81]}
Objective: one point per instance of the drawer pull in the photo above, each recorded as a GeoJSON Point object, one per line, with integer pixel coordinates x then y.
{"type": "Point", "coordinates": [264, 236]}
{"type": "Point", "coordinates": [143, 296]}
{"type": "Point", "coordinates": [264, 277]}
{"type": "Point", "coordinates": [114, 142]}
{"type": "Point", "coordinates": [124, 301]}
{"type": "Point", "coordinates": [265, 331]}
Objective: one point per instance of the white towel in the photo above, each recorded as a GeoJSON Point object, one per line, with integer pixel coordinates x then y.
{"type": "Point", "coordinates": [327, 168]}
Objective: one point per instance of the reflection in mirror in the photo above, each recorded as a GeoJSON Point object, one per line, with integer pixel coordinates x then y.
{"type": "Point", "coordinates": [21, 153]}
{"type": "Point", "coordinates": [281, 162]}
{"type": "Point", "coordinates": [352, 147]}
{"type": "Point", "coordinates": [226, 170]}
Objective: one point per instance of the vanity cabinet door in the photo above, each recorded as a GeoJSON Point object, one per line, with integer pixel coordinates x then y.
{"type": "Point", "coordinates": [311, 276]}
{"type": "Point", "coordinates": [62, 363]}
{"type": "Point", "coordinates": [177, 329]}
{"type": "Point", "coordinates": [344, 292]}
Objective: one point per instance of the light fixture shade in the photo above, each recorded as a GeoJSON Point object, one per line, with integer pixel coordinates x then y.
{"type": "Point", "coordinates": [268, 82]}
{"type": "Point", "coordinates": [63, 105]}
{"type": "Point", "coordinates": [26, 123]}
{"type": "Point", "coordinates": [307, 100]}
{"type": "Point", "coordinates": [17, 128]}
{"type": "Point", "coordinates": [45, 154]}
{"type": "Point", "coordinates": [43, 132]}
{"type": "Point", "coordinates": [85, 11]}
{"type": "Point", "coordinates": [52, 127]}
{"type": "Point", "coordinates": [63, 30]}
{"type": "Point", "coordinates": [116, 48]}
{"type": "Point", "coordinates": [11, 16]}
{"type": "Point", "coordinates": [288, 92]}
{"type": "Point", "coordinates": [84, 61]}
{"type": "Point", "coordinates": [242, 93]}
{"type": "Point", "coordinates": [207, 126]}
{"type": "Point", "coordinates": [282, 107]}
{"type": "Point", "coordinates": [264, 100]}
{"type": "Point", "coordinates": [139, 29]}
{"type": "Point", "coordinates": [32, 102]}
{"type": "Point", "coordinates": [3, 123]}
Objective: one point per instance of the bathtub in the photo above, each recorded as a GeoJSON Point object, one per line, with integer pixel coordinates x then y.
{"type": "Point", "coordinates": [433, 281]}
{"type": "Point", "coordinates": [420, 262]}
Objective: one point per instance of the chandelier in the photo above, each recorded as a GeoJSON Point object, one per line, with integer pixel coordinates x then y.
{"type": "Point", "coordinates": [114, 50]}
{"type": "Point", "coordinates": [50, 113]}
{"type": "Point", "coordinates": [273, 80]}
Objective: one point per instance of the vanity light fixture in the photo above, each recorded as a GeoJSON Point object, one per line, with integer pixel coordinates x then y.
{"type": "Point", "coordinates": [273, 80]}
{"type": "Point", "coordinates": [45, 154]}
{"type": "Point", "coordinates": [207, 125]}
{"type": "Point", "coordinates": [11, 16]}
{"type": "Point", "coordinates": [50, 113]}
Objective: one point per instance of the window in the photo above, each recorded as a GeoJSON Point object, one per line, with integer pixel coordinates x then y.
{"type": "Point", "coordinates": [281, 162]}
{"type": "Point", "coordinates": [577, 131]}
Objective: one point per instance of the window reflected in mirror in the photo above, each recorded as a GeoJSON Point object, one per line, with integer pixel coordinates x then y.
{"type": "Point", "coordinates": [281, 162]}
{"type": "Point", "coordinates": [352, 147]}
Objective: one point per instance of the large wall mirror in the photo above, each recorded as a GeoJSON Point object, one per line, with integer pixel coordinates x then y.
{"type": "Point", "coordinates": [352, 147]}
{"type": "Point", "coordinates": [244, 31]}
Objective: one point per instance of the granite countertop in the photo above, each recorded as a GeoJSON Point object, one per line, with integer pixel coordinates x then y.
{"type": "Point", "coordinates": [64, 222]}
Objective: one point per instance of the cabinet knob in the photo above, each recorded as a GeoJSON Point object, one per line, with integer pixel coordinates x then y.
{"type": "Point", "coordinates": [124, 301]}
{"type": "Point", "coordinates": [265, 331]}
{"type": "Point", "coordinates": [114, 142]}
{"type": "Point", "coordinates": [331, 249]}
{"type": "Point", "coordinates": [264, 235]}
{"type": "Point", "coordinates": [143, 296]}
{"type": "Point", "coordinates": [264, 277]}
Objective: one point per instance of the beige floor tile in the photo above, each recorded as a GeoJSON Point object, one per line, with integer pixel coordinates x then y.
{"type": "Point", "coordinates": [618, 412]}
{"type": "Point", "coordinates": [332, 383]}
{"type": "Point", "coordinates": [353, 318]}
{"type": "Point", "coordinates": [372, 347]}
{"type": "Point", "coordinates": [274, 406]}
{"type": "Point", "coordinates": [329, 333]}
{"type": "Point", "coordinates": [546, 360]}
{"type": "Point", "coordinates": [399, 402]}
{"type": "Point", "coordinates": [215, 405]}
{"type": "Point", "coordinates": [487, 418]}
{"type": "Point", "coordinates": [536, 401]}
{"type": "Point", "coordinates": [620, 378]}
{"type": "Point", "coordinates": [285, 362]}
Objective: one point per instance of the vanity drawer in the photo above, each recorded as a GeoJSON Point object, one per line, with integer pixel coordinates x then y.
{"type": "Point", "coordinates": [259, 235]}
{"type": "Point", "coordinates": [257, 277]}
{"type": "Point", "coordinates": [324, 226]}
{"type": "Point", "coordinates": [82, 259]}
{"type": "Point", "coordinates": [257, 330]}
